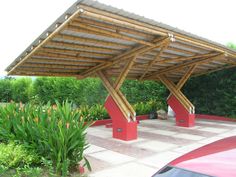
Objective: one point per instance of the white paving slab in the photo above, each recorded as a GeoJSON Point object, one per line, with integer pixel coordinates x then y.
{"type": "Point", "coordinates": [214, 130]}
{"type": "Point", "coordinates": [189, 136]}
{"type": "Point", "coordinates": [93, 148]}
{"type": "Point", "coordinates": [161, 159]}
{"type": "Point", "coordinates": [112, 157]}
{"type": "Point", "coordinates": [228, 134]}
{"type": "Point", "coordinates": [156, 146]}
{"type": "Point", "coordinates": [127, 170]}
{"type": "Point", "coordinates": [164, 132]}
{"type": "Point", "coordinates": [210, 140]}
{"type": "Point", "coordinates": [188, 148]}
{"type": "Point", "coordinates": [100, 133]}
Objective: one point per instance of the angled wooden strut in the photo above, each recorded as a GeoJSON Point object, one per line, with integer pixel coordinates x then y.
{"type": "Point", "coordinates": [177, 93]}
{"type": "Point", "coordinates": [116, 94]}
{"type": "Point", "coordinates": [184, 79]}
{"type": "Point", "coordinates": [139, 50]}
{"type": "Point", "coordinates": [156, 59]}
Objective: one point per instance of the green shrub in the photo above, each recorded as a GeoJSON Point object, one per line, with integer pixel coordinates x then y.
{"type": "Point", "coordinates": [95, 112]}
{"type": "Point", "coordinates": [13, 155]}
{"type": "Point", "coordinates": [142, 108]}
{"type": "Point", "coordinates": [55, 132]}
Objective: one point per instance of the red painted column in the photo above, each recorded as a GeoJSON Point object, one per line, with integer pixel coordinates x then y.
{"type": "Point", "coordinates": [182, 116]}
{"type": "Point", "coordinates": [122, 129]}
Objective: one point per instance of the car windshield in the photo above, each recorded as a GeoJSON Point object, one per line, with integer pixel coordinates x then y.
{"type": "Point", "coordinates": [177, 172]}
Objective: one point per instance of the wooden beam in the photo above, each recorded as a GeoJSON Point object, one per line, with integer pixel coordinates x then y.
{"type": "Point", "coordinates": [213, 70]}
{"type": "Point", "coordinates": [115, 27]}
{"type": "Point", "coordinates": [83, 47]}
{"type": "Point", "coordinates": [107, 33]}
{"type": "Point", "coordinates": [151, 63]}
{"type": "Point", "coordinates": [132, 52]}
{"type": "Point", "coordinates": [178, 94]}
{"type": "Point", "coordinates": [26, 73]}
{"type": "Point", "coordinates": [123, 74]}
{"type": "Point", "coordinates": [91, 40]}
{"type": "Point", "coordinates": [153, 29]}
{"type": "Point", "coordinates": [109, 18]}
{"type": "Point", "coordinates": [178, 59]}
{"type": "Point", "coordinates": [182, 65]}
{"type": "Point", "coordinates": [74, 52]}
{"type": "Point", "coordinates": [53, 65]}
{"type": "Point", "coordinates": [63, 62]}
{"type": "Point", "coordinates": [184, 78]}
{"type": "Point", "coordinates": [64, 56]}
{"type": "Point", "coordinates": [114, 95]}
{"type": "Point", "coordinates": [50, 36]}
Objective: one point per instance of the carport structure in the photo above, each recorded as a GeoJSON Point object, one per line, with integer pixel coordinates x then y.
{"type": "Point", "coordinates": [95, 40]}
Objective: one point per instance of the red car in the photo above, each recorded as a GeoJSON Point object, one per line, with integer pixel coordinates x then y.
{"type": "Point", "coordinates": [217, 159]}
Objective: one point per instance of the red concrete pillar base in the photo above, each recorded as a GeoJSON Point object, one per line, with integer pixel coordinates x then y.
{"type": "Point", "coordinates": [122, 129]}
{"type": "Point", "coordinates": [182, 116]}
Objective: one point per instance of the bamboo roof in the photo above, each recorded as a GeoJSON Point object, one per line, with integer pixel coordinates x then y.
{"type": "Point", "coordinates": [91, 36]}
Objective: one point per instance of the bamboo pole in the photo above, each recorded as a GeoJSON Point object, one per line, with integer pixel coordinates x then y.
{"type": "Point", "coordinates": [111, 34]}
{"type": "Point", "coordinates": [75, 52]}
{"type": "Point", "coordinates": [151, 63]}
{"type": "Point", "coordinates": [134, 24]}
{"type": "Point", "coordinates": [134, 51]}
{"type": "Point", "coordinates": [177, 94]}
{"type": "Point", "coordinates": [182, 65]}
{"type": "Point", "coordinates": [50, 36]}
{"type": "Point", "coordinates": [114, 95]}
{"type": "Point", "coordinates": [90, 40]}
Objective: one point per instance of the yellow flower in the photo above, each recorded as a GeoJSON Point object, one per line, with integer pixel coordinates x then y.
{"type": "Point", "coordinates": [67, 125]}
{"type": "Point", "coordinates": [36, 119]}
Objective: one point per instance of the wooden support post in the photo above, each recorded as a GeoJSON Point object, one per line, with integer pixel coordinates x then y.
{"type": "Point", "coordinates": [184, 79]}
{"type": "Point", "coordinates": [182, 107]}
{"type": "Point", "coordinates": [118, 107]}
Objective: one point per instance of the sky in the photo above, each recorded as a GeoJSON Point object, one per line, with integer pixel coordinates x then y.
{"type": "Point", "coordinates": [23, 21]}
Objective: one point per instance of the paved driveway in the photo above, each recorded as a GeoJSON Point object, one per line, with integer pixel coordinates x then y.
{"type": "Point", "coordinates": [159, 142]}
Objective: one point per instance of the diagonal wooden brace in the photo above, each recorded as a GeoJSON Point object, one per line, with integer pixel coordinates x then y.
{"type": "Point", "coordinates": [183, 108]}
{"type": "Point", "coordinates": [114, 95]}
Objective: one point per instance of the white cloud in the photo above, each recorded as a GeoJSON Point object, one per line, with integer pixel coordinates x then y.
{"type": "Point", "coordinates": [23, 21]}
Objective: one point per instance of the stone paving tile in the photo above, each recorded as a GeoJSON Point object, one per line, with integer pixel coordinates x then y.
{"type": "Point", "coordinates": [180, 130]}
{"type": "Point", "coordinates": [163, 132]}
{"type": "Point", "coordinates": [214, 130]}
{"type": "Point", "coordinates": [127, 149]}
{"type": "Point", "coordinates": [214, 125]}
{"type": "Point", "coordinates": [157, 146]}
{"type": "Point", "coordinates": [229, 133]}
{"type": "Point", "coordinates": [188, 148]}
{"type": "Point", "coordinates": [190, 137]}
{"type": "Point", "coordinates": [161, 159]}
{"type": "Point", "coordinates": [127, 170]}
{"type": "Point", "coordinates": [93, 148]}
{"type": "Point", "coordinates": [96, 164]}
{"type": "Point", "coordinates": [163, 138]}
{"type": "Point", "coordinates": [210, 140]}
{"type": "Point", "coordinates": [112, 157]}
{"type": "Point", "coordinates": [100, 133]}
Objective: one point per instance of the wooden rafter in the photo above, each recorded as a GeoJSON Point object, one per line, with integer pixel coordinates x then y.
{"type": "Point", "coordinates": [182, 65]}
{"type": "Point", "coordinates": [134, 51]}
{"type": "Point", "coordinates": [107, 33]}
{"type": "Point", "coordinates": [184, 78]}
{"type": "Point", "coordinates": [75, 52]}
{"type": "Point", "coordinates": [114, 27]}
{"type": "Point", "coordinates": [151, 63]}
{"type": "Point", "coordinates": [134, 24]}
{"type": "Point", "coordinates": [91, 41]}
{"type": "Point", "coordinates": [114, 95]}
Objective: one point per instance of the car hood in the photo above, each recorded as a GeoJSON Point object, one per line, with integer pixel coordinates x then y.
{"type": "Point", "coordinates": [216, 159]}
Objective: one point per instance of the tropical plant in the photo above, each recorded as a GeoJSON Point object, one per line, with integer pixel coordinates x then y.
{"type": "Point", "coordinates": [55, 132]}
